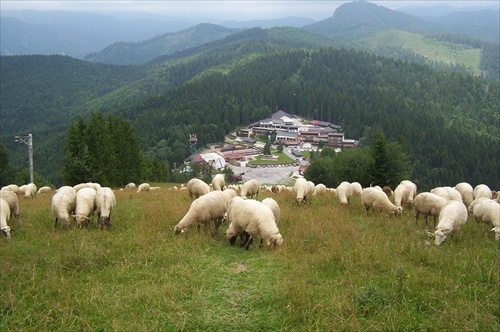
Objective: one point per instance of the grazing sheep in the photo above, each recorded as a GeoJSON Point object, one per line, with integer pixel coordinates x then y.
{"type": "Point", "coordinates": [4, 218]}
{"type": "Point", "coordinates": [319, 189]}
{"type": "Point", "coordinates": [208, 207]}
{"type": "Point", "coordinates": [466, 191]}
{"type": "Point", "coordinates": [428, 204]}
{"type": "Point", "coordinates": [344, 192]}
{"type": "Point", "coordinates": [105, 202]}
{"type": "Point", "coordinates": [250, 189]}
{"type": "Point", "coordinates": [482, 190]}
{"type": "Point", "coordinates": [375, 199]}
{"type": "Point", "coordinates": [273, 205]}
{"type": "Point", "coordinates": [197, 188]}
{"type": "Point", "coordinates": [30, 190]}
{"type": "Point", "coordinates": [356, 188]}
{"type": "Point", "coordinates": [451, 218]}
{"type": "Point", "coordinates": [63, 204]}
{"type": "Point", "coordinates": [487, 211]}
{"type": "Point", "coordinates": [301, 189]}
{"type": "Point", "coordinates": [249, 218]}
{"type": "Point", "coordinates": [44, 190]}
{"type": "Point", "coordinates": [85, 206]}
{"type": "Point", "coordinates": [413, 190]}
{"type": "Point", "coordinates": [218, 182]}
{"type": "Point", "coordinates": [448, 193]}
{"type": "Point", "coordinates": [144, 187]}
{"type": "Point", "coordinates": [21, 190]}
{"type": "Point", "coordinates": [11, 198]}
{"type": "Point", "coordinates": [130, 185]}
{"type": "Point", "coordinates": [386, 189]}
{"type": "Point", "coordinates": [11, 187]}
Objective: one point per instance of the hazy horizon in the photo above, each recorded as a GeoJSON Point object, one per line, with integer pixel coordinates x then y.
{"type": "Point", "coordinates": [217, 11]}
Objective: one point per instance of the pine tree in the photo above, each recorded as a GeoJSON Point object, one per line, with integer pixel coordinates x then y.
{"type": "Point", "coordinates": [380, 167]}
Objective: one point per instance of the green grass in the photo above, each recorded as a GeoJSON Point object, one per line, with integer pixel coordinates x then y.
{"type": "Point", "coordinates": [432, 49]}
{"type": "Point", "coordinates": [338, 270]}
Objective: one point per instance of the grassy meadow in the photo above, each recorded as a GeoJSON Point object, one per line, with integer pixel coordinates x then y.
{"type": "Point", "coordinates": [338, 270]}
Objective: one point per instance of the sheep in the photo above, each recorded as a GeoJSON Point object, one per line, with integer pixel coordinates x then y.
{"type": "Point", "coordinates": [405, 193]}
{"type": "Point", "coordinates": [11, 198]}
{"type": "Point", "coordinates": [21, 189]}
{"type": "Point", "coordinates": [428, 204]}
{"type": "Point", "coordinates": [30, 190]}
{"type": "Point", "coordinates": [273, 205]}
{"type": "Point", "coordinates": [4, 218]}
{"type": "Point", "coordinates": [451, 218]}
{"type": "Point", "coordinates": [63, 204]}
{"type": "Point", "coordinates": [130, 185]}
{"type": "Point", "coordinates": [482, 190]}
{"type": "Point", "coordinates": [356, 188]}
{"type": "Point", "coordinates": [466, 191]}
{"type": "Point", "coordinates": [144, 187]}
{"type": "Point", "coordinates": [386, 189]}
{"type": "Point", "coordinates": [249, 218]}
{"type": "Point", "coordinates": [448, 193]}
{"type": "Point", "coordinates": [301, 189]}
{"type": "Point", "coordinates": [250, 189]}
{"type": "Point", "coordinates": [11, 187]}
{"type": "Point", "coordinates": [488, 211]}
{"type": "Point", "coordinates": [44, 190]}
{"type": "Point", "coordinates": [105, 202]}
{"type": "Point", "coordinates": [344, 192]}
{"type": "Point", "coordinates": [208, 207]}
{"type": "Point", "coordinates": [85, 206]}
{"type": "Point", "coordinates": [319, 189]}
{"type": "Point", "coordinates": [197, 188]}
{"type": "Point", "coordinates": [218, 182]}
{"type": "Point", "coordinates": [376, 199]}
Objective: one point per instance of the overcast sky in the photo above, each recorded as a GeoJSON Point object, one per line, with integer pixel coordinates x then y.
{"type": "Point", "coordinates": [218, 10]}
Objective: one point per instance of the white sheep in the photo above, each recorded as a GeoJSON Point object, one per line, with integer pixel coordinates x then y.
{"type": "Point", "coordinates": [466, 191]}
{"type": "Point", "coordinates": [301, 189]}
{"type": "Point", "coordinates": [319, 189]}
{"type": "Point", "coordinates": [197, 188]}
{"type": "Point", "coordinates": [249, 218]}
{"type": "Point", "coordinates": [250, 189]}
{"type": "Point", "coordinates": [218, 182]}
{"type": "Point", "coordinates": [344, 192]}
{"type": "Point", "coordinates": [273, 205]}
{"type": "Point", "coordinates": [130, 185]}
{"type": "Point", "coordinates": [11, 187]}
{"type": "Point", "coordinates": [105, 202]}
{"type": "Point", "coordinates": [428, 204]}
{"type": "Point", "coordinates": [482, 190]}
{"type": "Point", "coordinates": [356, 188]}
{"type": "Point", "coordinates": [413, 190]}
{"type": "Point", "coordinates": [63, 204]}
{"type": "Point", "coordinates": [44, 190]}
{"type": "Point", "coordinates": [11, 198]}
{"type": "Point", "coordinates": [448, 193]}
{"type": "Point", "coordinates": [375, 199]}
{"type": "Point", "coordinates": [208, 207]}
{"type": "Point", "coordinates": [21, 190]}
{"type": "Point", "coordinates": [85, 206]}
{"type": "Point", "coordinates": [144, 187]}
{"type": "Point", "coordinates": [451, 218]}
{"type": "Point", "coordinates": [4, 218]}
{"type": "Point", "coordinates": [30, 190]}
{"type": "Point", "coordinates": [487, 211]}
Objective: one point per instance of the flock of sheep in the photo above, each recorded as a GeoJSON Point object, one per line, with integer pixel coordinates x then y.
{"type": "Point", "coordinates": [247, 217]}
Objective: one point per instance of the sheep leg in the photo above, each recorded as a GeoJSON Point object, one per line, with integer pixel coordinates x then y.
{"type": "Point", "coordinates": [243, 238]}
{"type": "Point", "coordinates": [233, 240]}
{"type": "Point", "coordinates": [55, 225]}
{"type": "Point", "coordinates": [249, 242]}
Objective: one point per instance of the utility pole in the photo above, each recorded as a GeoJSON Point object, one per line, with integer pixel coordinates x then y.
{"type": "Point", "coordinates": [28, 140]}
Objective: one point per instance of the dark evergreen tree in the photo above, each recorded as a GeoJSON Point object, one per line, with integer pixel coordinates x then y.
{"type": "Point", "coordinates": [380, 168]}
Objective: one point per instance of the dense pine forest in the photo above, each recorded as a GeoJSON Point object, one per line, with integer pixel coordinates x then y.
{"type": "Point", "coordinates": [446, 121]}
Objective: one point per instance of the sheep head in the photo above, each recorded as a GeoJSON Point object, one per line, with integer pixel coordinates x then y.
{"type": "Point", "coordinates": [5, 231]}
{"type": "Point", "coordinates": [179, 230]}
{"type": "Point", "coordinates": [440, 236]}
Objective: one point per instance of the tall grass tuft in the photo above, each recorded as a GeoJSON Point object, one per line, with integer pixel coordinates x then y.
{"type": "Point", "coordinates": [338, 270]}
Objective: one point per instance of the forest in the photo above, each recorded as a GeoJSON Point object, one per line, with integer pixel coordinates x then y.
{"type": "Point", "coordinates": [446, 121]}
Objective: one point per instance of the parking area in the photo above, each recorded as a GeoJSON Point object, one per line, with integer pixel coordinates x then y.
{"type": "Point", "coordinates": [267, 174]}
